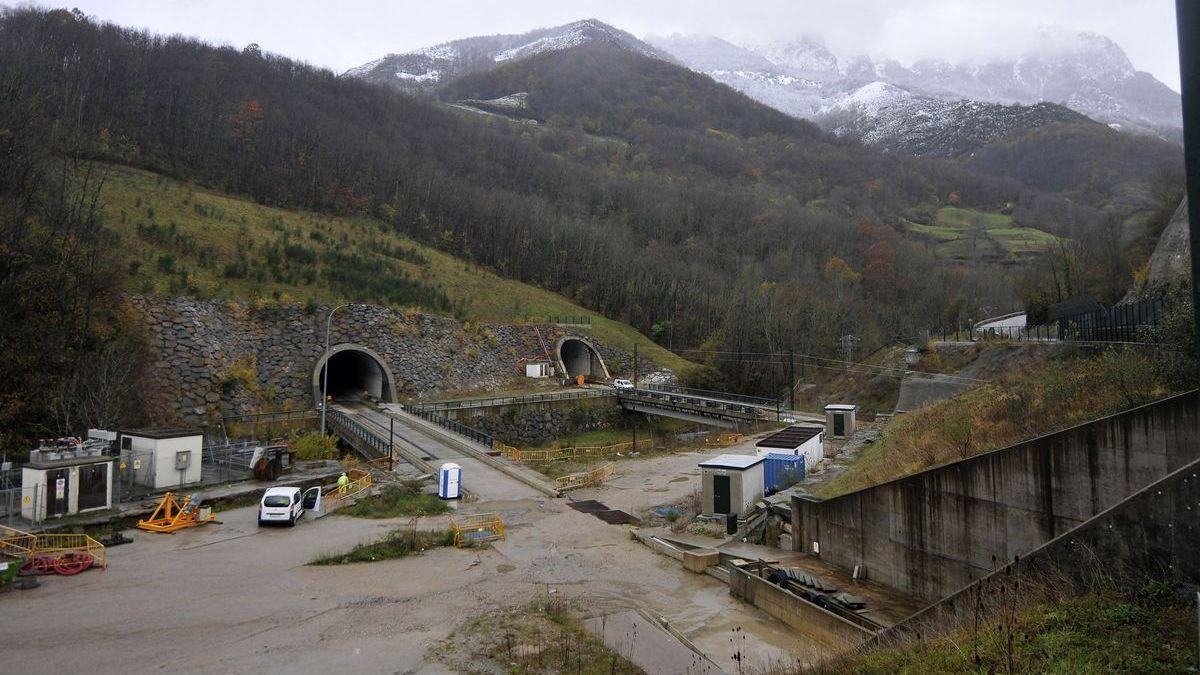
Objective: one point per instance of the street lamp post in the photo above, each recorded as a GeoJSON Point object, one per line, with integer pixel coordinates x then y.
{"type": "Point", "coordinates": [325, 372]}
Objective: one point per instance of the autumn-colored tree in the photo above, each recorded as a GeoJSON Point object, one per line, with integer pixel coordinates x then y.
{"type": "Point", "coordinates": [247, 119]}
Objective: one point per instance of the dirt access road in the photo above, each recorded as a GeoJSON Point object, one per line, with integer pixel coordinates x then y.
{"type": "Point", "coordinates": [236, 598]}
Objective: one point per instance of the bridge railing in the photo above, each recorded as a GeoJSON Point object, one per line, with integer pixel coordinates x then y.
{"type": "Point", "coordinates": [519, 399]}
{"type": "Point", "coordinates": [757, 401]}
{"type": "Point", "coordinates": [476, 435]}
{"type": "Point", "coordinates": [727, 410]}
{"type": "Point", "coordinates": [359, 435]}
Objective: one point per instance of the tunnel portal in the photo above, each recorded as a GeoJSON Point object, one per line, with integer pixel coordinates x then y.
{"type": "Point", "coordinates": [577, 356]}
{"type": "Point", "coordinates": [355, 373]}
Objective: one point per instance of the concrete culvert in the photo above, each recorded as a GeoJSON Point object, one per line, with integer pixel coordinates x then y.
{"type": "Point", "coordinates": [577, 356]}
{"type": "Point", "coordinates": [355, 373]}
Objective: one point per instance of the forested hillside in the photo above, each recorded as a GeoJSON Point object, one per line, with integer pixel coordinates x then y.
{"type": "Point", "coordinates": [649, 193]}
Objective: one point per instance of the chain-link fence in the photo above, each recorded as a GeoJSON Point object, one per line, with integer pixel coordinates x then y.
{"type": "Point", "coordinates": [10, 506]}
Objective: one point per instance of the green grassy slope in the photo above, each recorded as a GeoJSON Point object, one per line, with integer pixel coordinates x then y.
{"type": "Point", "coordinates": [181, 239]}
{"type": "Point", "coordinates": [966, 234]}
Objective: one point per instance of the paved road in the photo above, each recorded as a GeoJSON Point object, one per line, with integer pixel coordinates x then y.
{"type": "Point", "coordinates": [482, 480]}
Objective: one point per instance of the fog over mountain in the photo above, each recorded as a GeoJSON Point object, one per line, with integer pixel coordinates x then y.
{"type": "Point", "coordinates": [345, 34]}
{"type": "Point", "coordinates": [1088, 73]}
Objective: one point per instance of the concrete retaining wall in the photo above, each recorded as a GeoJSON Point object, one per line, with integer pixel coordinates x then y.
{"type": "Point", "coordinates": [1152, 534]}
{"type": "Point", "coordinates": [809, 619]}
{"type": "Point", "coordinates": [932, 533]}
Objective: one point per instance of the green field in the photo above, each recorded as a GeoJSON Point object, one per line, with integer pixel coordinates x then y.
{"type": "Point", "coordinates": [181, 239]}
{"type": "Point", "coordinates": [967, 234]}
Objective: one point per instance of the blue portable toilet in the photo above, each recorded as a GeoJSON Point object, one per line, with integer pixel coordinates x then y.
{"type": "Point", "coordinates": [781, 470]}
{"type": "Point", "coordinates": [450, 481]}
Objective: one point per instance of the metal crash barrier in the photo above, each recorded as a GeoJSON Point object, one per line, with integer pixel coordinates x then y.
{"type": "Point", "coordinates": [574, 481]}
{"type": "Point", "coordinates": [64, 554]}
{"type": "Point", "coordinates": [360, 483]}
{"type": "Point", "coordinates": [476, 528]}
{"type": "Point", "coordinates": [560, 454]}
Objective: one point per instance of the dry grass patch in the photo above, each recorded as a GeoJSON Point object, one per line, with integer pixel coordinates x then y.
{"type": "Point", "coordinates": [1029, 404]}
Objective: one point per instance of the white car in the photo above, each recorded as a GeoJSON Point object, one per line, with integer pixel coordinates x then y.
{"type": "Point", "coordinates": [287, 504]}
{"type": "Point", "coordinates": [622, 384]}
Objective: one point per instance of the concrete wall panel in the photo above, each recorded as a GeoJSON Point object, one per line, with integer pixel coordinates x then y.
{"type": "Point", "coordinates": [934, 532]}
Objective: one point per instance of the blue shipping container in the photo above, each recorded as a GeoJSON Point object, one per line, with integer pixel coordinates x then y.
{"type": "Point", "coordinates": [782, 471]}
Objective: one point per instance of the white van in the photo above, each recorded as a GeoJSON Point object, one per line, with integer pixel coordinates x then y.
{"type": "Point", "coordinates": [623, 384]}
{"type": "Point", "coordinates": [287, 504]}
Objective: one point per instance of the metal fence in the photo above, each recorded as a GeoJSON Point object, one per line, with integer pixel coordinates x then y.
{"type": "Point", "coordinates": [1119, 323]}
{"type": "Point", "coordinates": [457, 427]}
{"type": "Point", "coordinates": [1038, 333]}
{"type": "Point", "coordinates": [10, 478]}
{"type": "Point", "coordinates": [228, 462]}
{"type": "Point", "coordinates": [275, 424]}
{"type": "Point", "coordinates": [519, 399]}
{"type": "Point", "coordinates": [757, 401]}
{"type": "Point", "coordinates": [365, 439]}
{"type": "Point", "coordinates": [561, 320]}
{"type": "Point", "coordinates": [10, 504]}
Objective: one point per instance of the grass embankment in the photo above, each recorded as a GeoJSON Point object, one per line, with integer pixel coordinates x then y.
{"type": "Point", "coordinates": [545, 636]}
{"type": "Point", "coordinates": [657, 437]}
{"type": "Point", "coordinates": [396, 544]}
{"type": "Point", "coordinates": [1029, 404]}
{"type": "Point", "coordinates": [1149, 631]}
{"type": "Point", "coordinates": [874, 386]}
{"type": "Point", "coordinates": [965, 234]}
{"type": "Point", "coordinates": [182, 239]}
{"type": "Point", "coordinates": [394, 501]}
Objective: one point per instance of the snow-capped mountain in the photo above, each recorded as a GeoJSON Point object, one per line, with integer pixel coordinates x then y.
{"type": "Point", "coordinates": [801, 89]}
{"type": "Point", "coordinates": [425, 69]}
{"type": "Point", "coordinates": [899, 120]}
{"type": "Point", "coordinates": [1085, 72]}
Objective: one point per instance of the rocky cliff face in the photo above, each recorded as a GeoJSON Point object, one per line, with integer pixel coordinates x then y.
{"type": "Point", "coordinates": [1171, 262]}
{"type": "Point", "coordinates": [211, 358]}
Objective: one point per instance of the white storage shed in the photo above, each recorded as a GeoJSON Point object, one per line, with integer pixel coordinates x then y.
{"type": "Point", "coordinates": [731, 483]}
{"type": "Point", "coordinates": [840, 420]}
{"type": "Point", "coordinates": [162, 457]}
{"type": "Point", "coordinates": [539, 369]}
{"type": "Point", "coordinates": [798, 440]}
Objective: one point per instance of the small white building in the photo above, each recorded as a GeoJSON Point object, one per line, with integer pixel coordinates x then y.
{"type": "Point", "coordinates": [840, 420]}
{"type": "Point", "coordinates": [808, 441]}
{"type": "Point", "coordinates": [731, 484]}
{"type": "Point", "coordinates": [65, 480]}
{"type": "Point", "coordinates": [161, 457]}
{"type": "Point", "coordinates": [539, 369]}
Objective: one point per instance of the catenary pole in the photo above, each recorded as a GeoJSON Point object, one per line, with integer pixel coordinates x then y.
{"type": "Point", "coordinates": [325, 369]}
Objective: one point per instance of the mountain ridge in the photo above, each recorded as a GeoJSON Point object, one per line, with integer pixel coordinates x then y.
{"type": "Point", "coordinates": [422, 70]}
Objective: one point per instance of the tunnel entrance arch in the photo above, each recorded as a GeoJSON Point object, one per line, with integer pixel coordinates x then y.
{"type": "Point", "coordinates": [355, 372]}
{"type": "Point", "coordinates": [578, 356]}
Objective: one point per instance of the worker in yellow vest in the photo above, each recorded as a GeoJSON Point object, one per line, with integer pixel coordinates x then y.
{"type": "Point", "coordinates": [343, 483]}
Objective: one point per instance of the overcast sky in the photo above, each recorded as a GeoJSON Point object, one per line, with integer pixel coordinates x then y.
{"type": "Point", "coordinates": [340, 34]}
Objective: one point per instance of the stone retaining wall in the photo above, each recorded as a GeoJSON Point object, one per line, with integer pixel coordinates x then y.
{"type": "Point", "coordinates": [210, 358]}
{"type": "Point", "coordinates": [541, 423]}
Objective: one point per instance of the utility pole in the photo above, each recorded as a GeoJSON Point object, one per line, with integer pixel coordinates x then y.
{"type": "Point", "coordinates": [635, 365]}
{"type": "Point", "coordinates": [1187, 22]}
{"type": "Point", "coordinates": [391, 441]}
{"type": "Point", "coordinates": [325, 371]}
{"type": "Point", "coordinates": [792, 376]}
{"type": "Point", "coordinates": [848, 343]}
